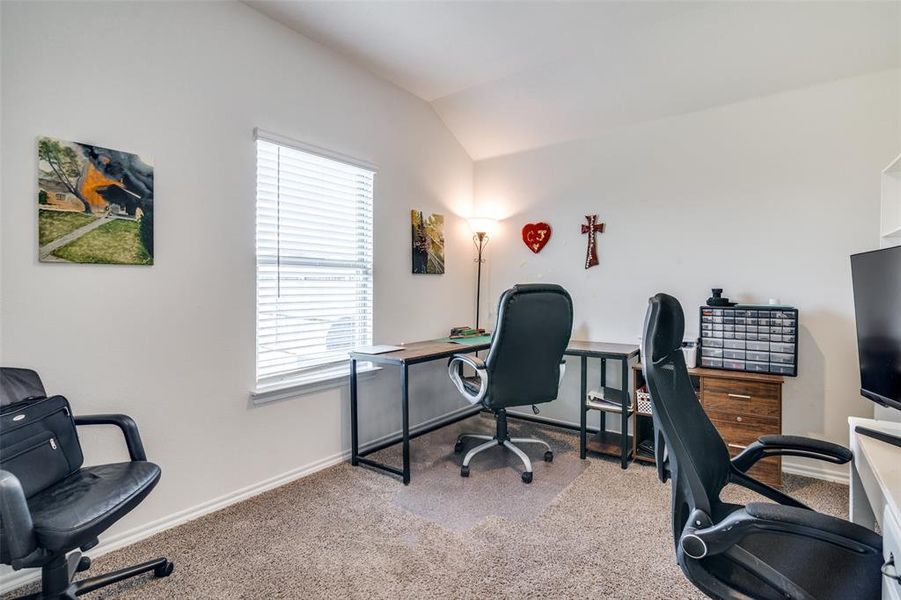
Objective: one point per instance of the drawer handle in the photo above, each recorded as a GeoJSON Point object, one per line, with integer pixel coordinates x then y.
{"type": "Point", "coordinates": [739, 396]}
{"type": "Point", "coordinates": [737, 446]}
{"type": "Point", "coordinates": [891, 563]}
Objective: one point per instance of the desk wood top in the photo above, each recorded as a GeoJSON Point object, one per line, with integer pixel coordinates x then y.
{"type": "Point", "coordinates": [727, 374]}
{"type": "Point", "coordinates": [416, 352]}
{"type": "Point", "coordinates": [601, 349]}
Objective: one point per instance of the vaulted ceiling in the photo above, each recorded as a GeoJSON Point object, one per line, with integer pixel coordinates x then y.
{"type": "Point", "coordinates": [512, 76]}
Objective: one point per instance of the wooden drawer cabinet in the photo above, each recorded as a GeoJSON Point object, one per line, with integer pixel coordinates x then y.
{"type": "Point", "coordinates": [742, 406]}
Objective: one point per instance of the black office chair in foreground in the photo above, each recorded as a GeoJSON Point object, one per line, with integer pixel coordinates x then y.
{"type": "Point", "coordinates": [762, 550]}
{"type": "Point", "coordinates": [51, 505]}
{"type": "Point", "coordinates": [524, 365]}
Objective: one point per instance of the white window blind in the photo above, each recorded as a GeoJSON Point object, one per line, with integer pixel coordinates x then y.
{"type": "Point", "coordinates": [314, 264]}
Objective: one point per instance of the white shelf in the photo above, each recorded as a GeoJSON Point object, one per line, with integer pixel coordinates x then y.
{"type": "Point", "coordinates": [890, 204]}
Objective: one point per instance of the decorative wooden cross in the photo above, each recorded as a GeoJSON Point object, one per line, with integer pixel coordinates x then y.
{"type": "Point", "coordinates": [593, 227]}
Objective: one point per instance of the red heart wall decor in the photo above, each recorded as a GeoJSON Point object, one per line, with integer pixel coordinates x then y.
{"type": "Point", "coordinates": [536, 235]}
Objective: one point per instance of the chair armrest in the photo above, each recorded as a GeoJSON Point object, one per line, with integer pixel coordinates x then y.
{"type": "Point", "coordinates": [128, 427]}
{"type": "Point", "coordinates": [790, 445]}
{"type": "Point", "coordinates": [18, 528]}
{"type": "Point", "coordinates": [707, 540]}
{"type": "Point", "coordinates": [455, 372]}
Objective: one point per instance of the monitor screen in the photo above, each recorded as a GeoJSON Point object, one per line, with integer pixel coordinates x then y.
{"type": "Point", "coordinates": [877, 305]}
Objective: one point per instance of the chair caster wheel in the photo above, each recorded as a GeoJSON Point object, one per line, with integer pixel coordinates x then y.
{"type": "Point", "coordinates": [84, 564]}
{"type": "Point", "coordinates": [527, 477]}
{"type": "Point", "coordinates": [464, 471]}
{"type": "Point", "coordinates": [458, 447]}
{"type": "Point", "coordinates": [165, 569]}
{"type": "Point", "coordinates": [548, 456]}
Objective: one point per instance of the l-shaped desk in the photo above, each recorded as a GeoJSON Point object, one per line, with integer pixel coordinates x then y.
{"type": "Point", "coordinates": [431, 350]}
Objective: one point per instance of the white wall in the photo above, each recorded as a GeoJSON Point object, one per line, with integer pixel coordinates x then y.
{"type": "Point", "coordinates": [173, 345]}
{"type": "Point", "coordinates": [765, 198]}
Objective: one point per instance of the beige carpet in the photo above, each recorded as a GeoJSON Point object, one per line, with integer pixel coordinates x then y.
{"type": "Point", "coordinates": [350, 532]}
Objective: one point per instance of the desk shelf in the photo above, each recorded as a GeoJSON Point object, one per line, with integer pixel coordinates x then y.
{"type": "Point", "coordinates": [620, 443]}
{"type": "Point", "coordinates": [608, 442]}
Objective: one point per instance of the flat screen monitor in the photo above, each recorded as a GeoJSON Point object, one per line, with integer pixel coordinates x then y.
{"type": "Point", "coordinates": [876, 279]}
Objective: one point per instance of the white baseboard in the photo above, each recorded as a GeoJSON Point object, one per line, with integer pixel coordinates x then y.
{"type": "Point", "coordinates": [823, 473]}
{"type": "Point", "coordinates": [15, 579]}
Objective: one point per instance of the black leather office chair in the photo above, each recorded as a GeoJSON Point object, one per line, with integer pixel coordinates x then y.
{"type": "Point", "coordinates": [524, 365]}
{"type": "Point", "coordinates": [51, 505]}
{"type": "Point", "coordinates": [762, 550]}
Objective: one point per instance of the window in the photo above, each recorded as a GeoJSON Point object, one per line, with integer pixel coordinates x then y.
{"type": "Point", "coordinates": [314, 262]}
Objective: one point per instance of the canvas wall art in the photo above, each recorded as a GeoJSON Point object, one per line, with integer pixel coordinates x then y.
{"type": "Point", "coordinates": [95, 205]}
{"type": "Point", "coordinates": [428, 243]}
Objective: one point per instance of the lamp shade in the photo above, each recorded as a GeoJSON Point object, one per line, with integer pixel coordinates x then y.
{"type": "Point", "coordinates": [483, 225]}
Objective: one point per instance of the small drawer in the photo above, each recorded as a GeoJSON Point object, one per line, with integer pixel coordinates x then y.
{"type": "Point", "coordinates": [712, 352]}
{"type": "Point", "coordinates": [717, 326]}
{"type": "Point", "coordinates": [734, 344]}
{"type": "Point", "coordinates": [729, 328]}
{"type": "Point", "coordinates": [712, 343]}
{"type": "Point", "coordinates": [738, 365]}
{"type": "Point", "coordinates": [789, 337]}
{"type": "Point", "coordinates": [736, 354]}
{"type": "Point", "coordinates": [787, 348]}
{"type": "Point", "coordinates": [740, 320]}
{"type": "Point", "coordinates": [755, 391]}
{"type": "Point", "coordinates": [707, 361]}
{"type": "Point", "coordinates": [728, 335]}
{"type": "Point", "coordinates": [706, 318]}
{"type": "Point", "coordinates": [740, 335]}
{"type": "Point", "coordinates": [729, 320]}
{"type": "Point", "coordinates": [741, 328]}
{"type": "Point", "coordinates": [763, 337]}
{"type": "Point", "coordinates": [757, 367]}
{"type": "Point", "coordinates": [743, 429]}
{"type": "Point", "coordinates": [753, 321]}
{"type": "Point", "coordinates": [785, 359]}
{"type": "Point", "coordinates": [758, 356]}
{"type": "Point", "coordinates": [760, 346]}
{"type": "Point", "coordinates": [780, 369]}
{"type": "Point", "coordinates": [751, 336]}
{"type": "Point", "coordinates": [717, 320]}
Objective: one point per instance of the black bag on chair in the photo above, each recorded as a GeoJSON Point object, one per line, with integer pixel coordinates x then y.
{"type": "Point", "coordinates": [38, 443]}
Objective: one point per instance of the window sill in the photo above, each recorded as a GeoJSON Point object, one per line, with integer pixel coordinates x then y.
{"type": "Point", "coordinates": [289, 389]}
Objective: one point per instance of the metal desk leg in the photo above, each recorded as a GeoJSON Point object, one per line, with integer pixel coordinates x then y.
{"type": "Point", "coordinates": [583, 410]}
{"type": "Point", "coordinates": [624, 432]}
{"type": "Point", "coordinates": [405, 400]}
{"type": "Point", "coordinates": [603, 385]}
{"type": "Point", "coordinates": [354, 436]}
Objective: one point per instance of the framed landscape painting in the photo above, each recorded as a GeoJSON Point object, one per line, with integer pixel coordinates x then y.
{"type": "Point", "coordinates": [428, 243]}
{"type": "Point", "coordinates": [95, 205]}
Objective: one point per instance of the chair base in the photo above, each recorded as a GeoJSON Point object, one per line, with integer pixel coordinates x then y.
{"type": "Point", "coordinates": [57, 584]}
{"type": "Point", "coordinates": [501, 439]}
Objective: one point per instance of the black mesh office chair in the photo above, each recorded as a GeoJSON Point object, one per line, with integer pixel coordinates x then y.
{"type": "Point", "coordinates": [762, 550]}
{"type": "Point", "coordinates": [51, 505]}
{"type": "Point", "coordinates": [524, 365]}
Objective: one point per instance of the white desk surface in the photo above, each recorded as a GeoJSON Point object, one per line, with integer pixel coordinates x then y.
{"type": "Point", "coordinates": [884, 459]}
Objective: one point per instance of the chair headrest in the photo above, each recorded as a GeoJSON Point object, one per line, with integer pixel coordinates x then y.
{"type": "Point", "coordinates": [19, 384]}
{"type": "Point", "coordinates": [525, 288]}
{"type": "Point", "coordinates": [666, 326]}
